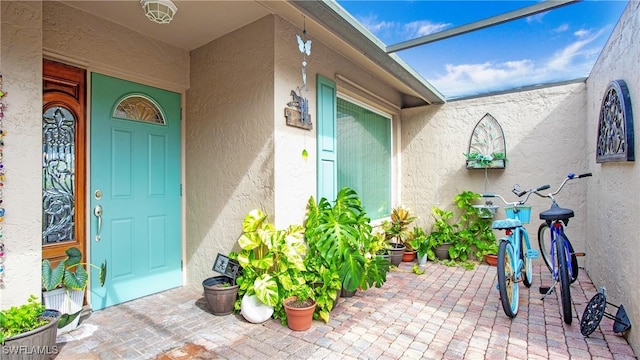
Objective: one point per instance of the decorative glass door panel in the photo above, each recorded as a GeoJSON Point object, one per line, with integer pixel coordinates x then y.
{"type": "Point", "coordinates": [58, 173]}
{"type": "Point", "coordinates": [63, 159]}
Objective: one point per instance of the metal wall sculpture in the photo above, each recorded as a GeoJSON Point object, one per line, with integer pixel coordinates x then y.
{"type": "Point", "coordinates": [487, 148]}
{"type": "Point", "coordinates": [615, 126]}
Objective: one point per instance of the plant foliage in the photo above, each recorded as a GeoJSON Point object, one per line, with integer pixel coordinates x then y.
{"type": "Point", "coordinates": [20, 319]}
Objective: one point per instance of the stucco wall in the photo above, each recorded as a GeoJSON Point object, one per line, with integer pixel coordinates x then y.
{"type": "Point", "coordinates": [613, 242]}
{"type": "Point", "coordinates": [544, 132]}
{"type": "Point", "coordinates": [229, 141]}
{"type": "Point", "coordinates": [21, 67]}
{"type": "Point", "coordinates": [295, 178]}
{"type": "Point", "coordinates": [111, 49]}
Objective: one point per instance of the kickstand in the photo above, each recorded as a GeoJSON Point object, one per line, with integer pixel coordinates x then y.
{"type": "Point", "coordinates": [547, 290]}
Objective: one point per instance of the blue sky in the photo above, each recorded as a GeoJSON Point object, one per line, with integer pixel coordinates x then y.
{"type": "Point", "coordinates": [557, 45]}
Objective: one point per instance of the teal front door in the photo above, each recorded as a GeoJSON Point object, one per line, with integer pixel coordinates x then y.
{"type": "Point", "coordinates": [135, 190]}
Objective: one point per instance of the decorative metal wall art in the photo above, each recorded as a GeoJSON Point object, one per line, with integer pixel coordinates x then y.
{"type": "Point", "coordinates": [615, 126]}
{"type": "Point", "coordinates": [487, 148]}
{"type": "Point", "coordinates": [297, 112]}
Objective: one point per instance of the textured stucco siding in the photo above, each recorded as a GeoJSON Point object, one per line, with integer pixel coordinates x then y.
{"type": "Point", "coordinates": [111, 49]}
{"type": "Point", "coordinates": [229, 141]}
{"type": "Point", "coordinates": [296, 178]}
{"type": "Point", "coordinates": [613, 242]}
{"type": "Point", "coordinates": [544, 132]}
{"type": "Point", "coordinates": [21, 67]}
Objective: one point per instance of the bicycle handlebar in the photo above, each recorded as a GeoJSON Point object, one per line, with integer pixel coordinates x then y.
{"type": "Point", "coordinates": [519, 194]}
{"type": "Point", "coordinates": [570, 176]}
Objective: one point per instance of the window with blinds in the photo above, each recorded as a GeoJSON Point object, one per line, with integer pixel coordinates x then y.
{"type": "Point", "coordinates": [364, 156]}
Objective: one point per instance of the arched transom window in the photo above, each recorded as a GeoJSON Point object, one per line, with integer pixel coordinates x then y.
{"type": "Point", "coordinates": [139, 108]}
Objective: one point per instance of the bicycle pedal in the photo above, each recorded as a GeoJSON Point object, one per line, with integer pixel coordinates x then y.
{"type": "Point", "coordinates": [544, 290]}
{"type": "Point", "coordinates": [579, 254]}
{"type": "Point", "coordinates": [533, 254]}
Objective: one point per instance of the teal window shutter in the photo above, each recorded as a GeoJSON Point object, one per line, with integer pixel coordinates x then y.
{"type": "Point", "coordinates": [326, 138]}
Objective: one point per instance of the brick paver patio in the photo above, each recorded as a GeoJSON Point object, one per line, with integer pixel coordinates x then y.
{"type": "Point", "coordinates": [447, 313]}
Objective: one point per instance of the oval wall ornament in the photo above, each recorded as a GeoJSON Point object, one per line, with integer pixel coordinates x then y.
{"type": "Point", "coordinates": [615, 126]}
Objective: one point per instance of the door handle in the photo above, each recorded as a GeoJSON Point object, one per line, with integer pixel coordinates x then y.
{"type": "Point", "coordinates": [97, 211]}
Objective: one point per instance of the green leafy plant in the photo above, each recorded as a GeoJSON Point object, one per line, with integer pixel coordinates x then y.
{"type": "Point", "coordinates": [272, 262]}
{"type": "Point", "coordinates": [478, 160]}
{"type": "Point", "coordinates": [397, 228]}
{"type": "Point", "coordinates": [19, 319]}
{"type": "Point", "coordinates": [341, 235]}
{"type": "Point", "coordinates": [417, 270]}
{"type": "Point", "coordinates": [419, 241]}
{"type": "Point", "coordinates": [469, 234]}
{"type": "Point", "coordinates": [70, 274]}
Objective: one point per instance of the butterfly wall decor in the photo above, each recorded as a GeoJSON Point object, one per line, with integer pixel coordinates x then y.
{"type": "Point", "coordinates": [304, 45]}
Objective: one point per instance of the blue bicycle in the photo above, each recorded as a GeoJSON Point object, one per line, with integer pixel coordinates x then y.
{"type": "Point", "coordinates": [557, 250]}
{"type": "Point", "coordinates": [514, 252]}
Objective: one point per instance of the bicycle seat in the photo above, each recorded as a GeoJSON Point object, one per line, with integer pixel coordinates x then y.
{"type": "Point", "coordinates": [506, 224]}
{"type": "Point", "coordinates": [556, 213]}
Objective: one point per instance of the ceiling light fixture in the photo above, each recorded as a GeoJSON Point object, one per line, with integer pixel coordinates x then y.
{"type": "Point", "coordinates": [160, 11]}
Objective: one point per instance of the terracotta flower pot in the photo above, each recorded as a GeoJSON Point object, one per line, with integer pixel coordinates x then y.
{"type": "Point", "coordinates": [299, 313]}
{"type": "Point", "coordinates": [408, 256]}
{"type": "Point", "coordinates": [491, 259]}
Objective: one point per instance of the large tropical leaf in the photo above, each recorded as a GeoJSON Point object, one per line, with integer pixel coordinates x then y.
{"type": "Point", "coordinates": [76, 280]}
{"type": "Point", "coordinates": [102, 276]}
{"type": "Point", "coordinates": [51, 278]}
{"type": "Point", "coordinates": [74, 256]}
{"type": "Point", "coordinates": [66, 319]}
{"type": "Point", "coordinates": [254, 220]}
{"type": "Point", "coordinates": [266, 289]}
{"type": "Point", "coordinates": [352, 271]}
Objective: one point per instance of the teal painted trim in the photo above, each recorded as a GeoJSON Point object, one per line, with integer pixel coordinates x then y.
{"type": "Point", "coordinates": [326, 139]}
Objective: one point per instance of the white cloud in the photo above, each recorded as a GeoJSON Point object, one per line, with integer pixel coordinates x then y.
{"type": "Point", "coordinates": [564, 58]}
{"type": "Point", "coordinates": [561, 28]}
{"type": "Point", "coordinates": [394, 31]}
{"type": "Point", "coordinates": [372, 24]}
{"type": "Point", "coordinates": [571, 62]}
{"type": "Point", "coordinates": [424, 27]}
{"type": "Point", "coordinates": [537, 18]}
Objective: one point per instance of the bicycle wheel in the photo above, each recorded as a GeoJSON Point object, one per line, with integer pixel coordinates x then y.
{"type": "Point", "coordinates": [527, 264]}
{"type": "Point", "coordinates": [544, 244]}
{"type": "Point", "coordinates": [574, 261]}
{"type": "Point", "coordinates": [563, 277]}
{"type": "Point", "coordinates": [507, 285]}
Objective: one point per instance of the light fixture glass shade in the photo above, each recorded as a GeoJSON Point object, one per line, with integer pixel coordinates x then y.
{"type": "Point", "coordinates": [160, 11]}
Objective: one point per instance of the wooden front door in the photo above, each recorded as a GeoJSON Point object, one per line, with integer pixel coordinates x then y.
{"type": "Point", "coordinates": [63, 160]}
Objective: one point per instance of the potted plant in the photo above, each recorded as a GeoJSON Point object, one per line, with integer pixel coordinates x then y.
{"type": "Point", "coordinates": [341, 236]}
{"type": "Point", "coordinates": [29, 326]}
{"type": "Point", "coordinates": [220, 294]}
{"type": "Point", "coordinates": [476, 160]}
{"type": "Point", "coordinates": [300, 308]}
{"type": "Point", "coordinates": [272, 264]}
{"type": "Point", "coordinates": [64, 286]}
{"type": "Point", "coordinates": [420, 242]}
{"type": "Point", "coordinates": [397, 233]}
{"type": "Point", "coordinates": [443, 234]}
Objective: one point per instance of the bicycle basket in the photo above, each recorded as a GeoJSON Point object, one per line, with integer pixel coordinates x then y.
{"type": "Point", "coordinates": [523, 214]}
